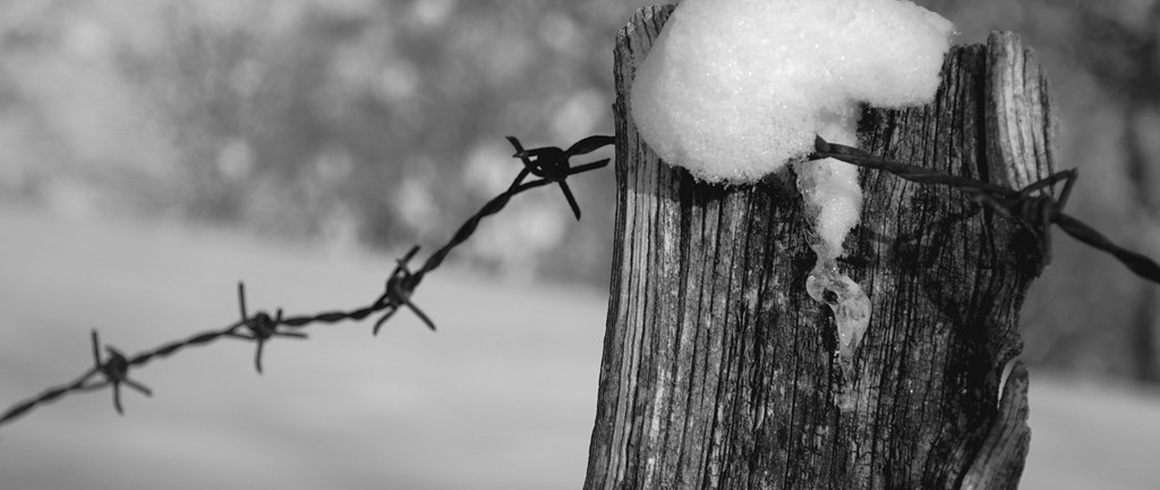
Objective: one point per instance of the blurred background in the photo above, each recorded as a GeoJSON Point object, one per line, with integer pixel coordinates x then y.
{"type": "Point", "coordinates": [154, 152]}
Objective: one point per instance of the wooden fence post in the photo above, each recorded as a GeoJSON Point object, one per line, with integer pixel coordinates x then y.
{"type": "Point", "coordinates": [718, 368]}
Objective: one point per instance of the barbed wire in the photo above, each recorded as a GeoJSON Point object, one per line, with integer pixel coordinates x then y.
{"type": "Point", "coordinates": [550, 164]}
{"type": "Point", "coordinates": [1030, 206]}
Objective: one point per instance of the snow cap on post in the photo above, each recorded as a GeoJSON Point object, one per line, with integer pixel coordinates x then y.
{"type": "Point", "coordinates": [734, 89]}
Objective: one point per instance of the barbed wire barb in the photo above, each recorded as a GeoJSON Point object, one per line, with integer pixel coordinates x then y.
{"type": "Point", "coordinates": [552, 164]}
{"type": "Point", "coordinates": [400, 286]}
{"type": "Point", "coordinates": [116, 371]}
{"type": "Point", "coordinates": [261, 327]}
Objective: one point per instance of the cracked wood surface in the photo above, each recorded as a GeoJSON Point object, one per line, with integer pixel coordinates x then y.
{"type": "Point", "coordinates": [718, 369]}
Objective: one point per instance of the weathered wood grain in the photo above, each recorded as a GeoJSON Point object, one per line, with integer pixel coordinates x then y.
{"type": "Point", "coordinates": [718, 369]}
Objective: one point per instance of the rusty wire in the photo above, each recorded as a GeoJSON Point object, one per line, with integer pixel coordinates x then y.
{"type": "Point", "coordinates": [550, 164]}
{"type": "Point", "coordinates": [1031, 206]}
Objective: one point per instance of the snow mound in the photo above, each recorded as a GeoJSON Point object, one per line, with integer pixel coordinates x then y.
{"type": "Point", "coordinates": [734, 89]}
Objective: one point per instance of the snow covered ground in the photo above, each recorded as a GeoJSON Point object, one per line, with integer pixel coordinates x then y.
{"type": "Point", "coordinates": [502, 397]}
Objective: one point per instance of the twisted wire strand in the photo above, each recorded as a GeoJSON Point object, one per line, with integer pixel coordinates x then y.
{"type": "Point", "coordinates": [49, 395]}
{"type": "Point", "coordinates": [468, 228]}
{"type": "Point", "coordinates": [913, 173]}
{"type": "Point", "coordinates": [1138, 263]}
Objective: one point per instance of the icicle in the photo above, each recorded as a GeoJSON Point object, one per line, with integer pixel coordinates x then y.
{"type": "Point", "coordinates": [849, 303]}
{"type": "Point", "coordinates": [834, 202]}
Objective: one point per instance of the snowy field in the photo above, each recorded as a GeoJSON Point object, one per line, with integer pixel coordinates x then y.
{"type": "Point", "coordinates": [502, 397]}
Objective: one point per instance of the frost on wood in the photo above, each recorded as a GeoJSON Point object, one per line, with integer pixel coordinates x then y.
{"type": "Point", "coordinates": [734, 90]}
